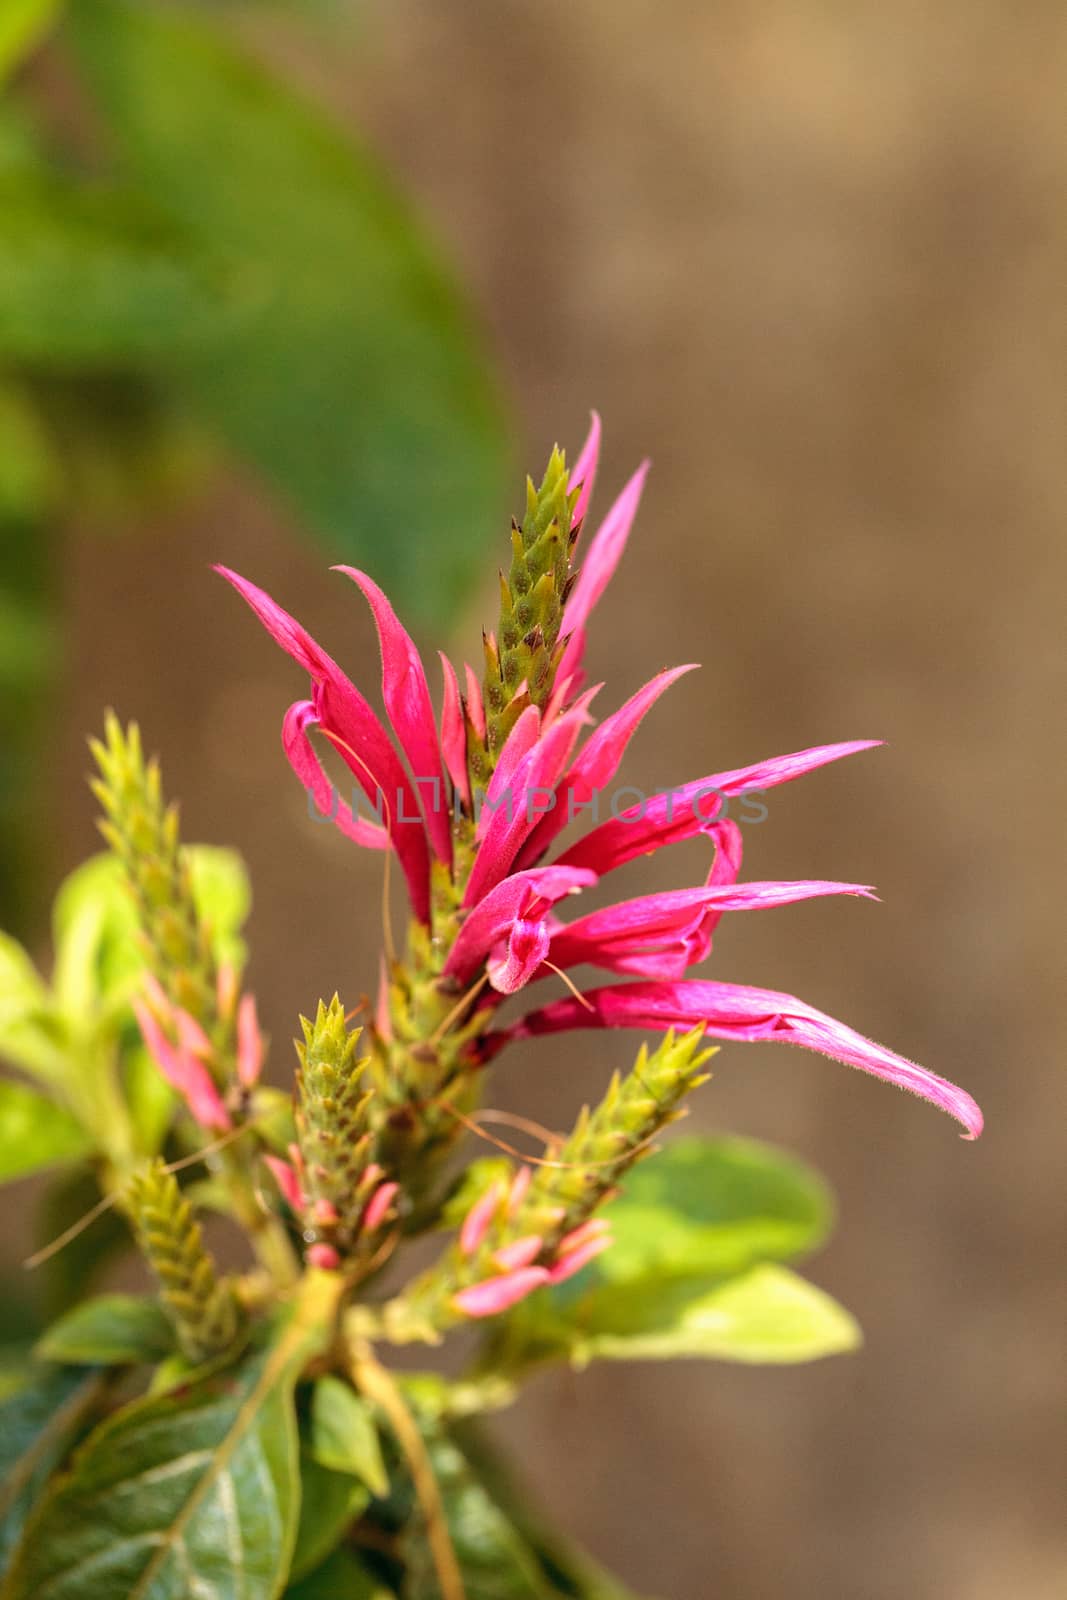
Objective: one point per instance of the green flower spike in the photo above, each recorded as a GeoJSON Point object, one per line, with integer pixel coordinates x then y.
{"type": "Point", "coordinates": [202, 1308]}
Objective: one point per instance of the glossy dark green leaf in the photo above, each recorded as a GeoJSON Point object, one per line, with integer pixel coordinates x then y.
{"type": "Point", "coordinates": [35, 1133]}
{"type": "Point", "coordinates": [358, 386]}
{"type": "Point", "coordinates": [38, 1422]}
{"type": "Point", "coordinates": [110, 1330]}
{"type": "Point", "coordinates": [343, 1435]}
{"type": "Point", "coordinates": [342, 1577]}
{"type": "Point", "coordinates": [329, 1503]}
{"type": "Point", "coordinates": [191, 1493]}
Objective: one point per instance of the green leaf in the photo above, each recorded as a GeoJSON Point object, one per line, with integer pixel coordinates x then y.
{"type": "Point", "coordinates": [35, 1133]}
{"type": "Point", "coordinates": [767, 1314]}
{"type": "Point", "coordinates": [22, 990]}
{"type": "Point", "coordinates": [38, 1423]}
{"type": "Point", "coordinates": [223, 895]}
{"type": "Point", "coordinates": [343, 1435]}
{"type": "Point", "coordinates": [357, 385]}
{"type": "Point", "coordinates": [95, 933]}
{"type": "Point", "coordinates": [715, 1206]}
{"type": "Point", "coordinates": [111, 1330]}
{"type": "Point", "coordinates": [329, 1503]}
{"type": "Point", "coordinates": [195, 1492]}
{"type": "Point", "coordinates": [342, 1577]}
{"type": "Point", "coordinates": [23, 25]}
{"type": "Point", "coordinates": [93, 278]}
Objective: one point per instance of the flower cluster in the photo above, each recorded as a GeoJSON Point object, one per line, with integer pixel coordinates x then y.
{"type": "Point", "coordinates": [486, 904]}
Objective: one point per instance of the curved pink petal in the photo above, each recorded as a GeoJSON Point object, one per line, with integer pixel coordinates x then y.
{"type": "Point", "coordinates": [183, 1072]}
{"type": "Point", "coordinates": [328, 803]}
{"type": "Point", "coordinates": [513, 963]}
{"type": "Point", "coordinates": [479, 1218]}
{"type": "Point", "coordinates": [378, 1205]}
{"type": "Point", "coordinates": [454, 732]}
{"type": "Point", "coordinates": [583, 478]}
{"type": "Point", "coordinates": [407, 701]}
{"type": "Point", "coordinates": [519, 1253]}
{"type": "Point", "coordinates": [475, 704]}
{"type": "Point", "coordinates": [350, 724]}
{"type": "Point", "coordinates": [661, 935]}
{"type": "Point", "coordinates": [523, 893]}
{"type": "Point", "coordinates": [519, 742]}
{"type": "Point", "coordinates": [601, 559]}
{"type": "Point", "coordinates": [569, 1265]}
{"type": "Point", "coordinates": [735, 1011]}
{"type": "Point", "coordinates": [285, 1177]}
{"type": "Point", "coordinates": [688, 810]}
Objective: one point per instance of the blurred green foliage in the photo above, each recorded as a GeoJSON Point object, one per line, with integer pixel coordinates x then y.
{"type": "Point", "coordinates": [211, 266]}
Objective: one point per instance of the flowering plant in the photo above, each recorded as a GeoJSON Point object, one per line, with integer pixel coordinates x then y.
{"type": "Point", "coordinates": [244, 1434]}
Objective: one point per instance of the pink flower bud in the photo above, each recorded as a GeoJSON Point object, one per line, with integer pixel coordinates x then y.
{"type": "Point", "coordinates": [378, 1205]}
{"type": "Point", "coordinates": [183, 1071]}
{"type": "Point", "coordinates": [493, 1295]}
{"type": "Point", "coordinates": [520, 1183]}
{"type": "Point", "coordinates": [191, 1035]}
{"type": "Point", "coordinates": [323, 1255]}
{"type": "Point", "coordinates": [249, 1043]}
{"type": "Point", "coordinates": [573, 1262]}
{"type": "Point", "coordinates": [286, 1178]}
{"type": "Point", "coordinates": [478, 1219]}
{"type": "Point", "coordinates": [520, 1253]}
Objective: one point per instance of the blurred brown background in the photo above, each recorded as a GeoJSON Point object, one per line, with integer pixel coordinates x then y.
{"type": "Point", "coordinates": [811, 259]}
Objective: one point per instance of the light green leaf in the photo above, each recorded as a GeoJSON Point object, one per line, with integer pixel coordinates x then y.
{"type": "Point", "coordinates": [329, 1503]}
{"type": "Point", "coordinates": [223, 896]}
{"type": "Point", "coordinates": [767, 1314]}
{"type": "Point", "coordinates": [23, 24]}
{"type": "Point", "coordinates": [35, 1133]}
{"type": "Point", "coordinates": [343, 1435]}
{"type": "Point", "coordinates": [358, 385]}
{"type": "Point", "coordinates": [195, 1492]}
{"type": "Point", "coordinates": [94, 930]}
{"type": "Point", "coordinates": [38, 1423]}
{"type": "Point", "coordinates": [22, 991]}
{"type": "Point", "coordinates": [714, 1206]}
{"type": "Point", "coordinates": [111, 1330]}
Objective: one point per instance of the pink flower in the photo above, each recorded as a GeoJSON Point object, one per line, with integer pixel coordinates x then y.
{"type": "Point", "coordinates": [552, 770]}
{"type": "Point", "coordinates": [180, 1062]}
{"type": "Point", "coordinates": [249, 1043]}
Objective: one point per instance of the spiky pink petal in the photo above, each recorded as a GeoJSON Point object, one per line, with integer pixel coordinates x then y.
{"type": "Point", "coordinates": [601, 559]}
{"type": "Point", "coordinates": [285, 1176]}
{"type": "Point", "coordinates": [734, 1011]}
{"type": "Point", "coordinates": [583, 478]}
{"type": "Point", "coordinates": [407, 701]}
{"type": "Point", "coordinates": [494, 1295]}
{"type": "Point", "coordinates": [191, 1035]}
{"type": "Point", "coordinates": [518, 744]}
{"type": "Point", "coordinates": [598, 761]}
{"type": "Point", "coordinates": [249, 1043]}
{"type": "Point", "coordinates": [688, 810]}
{"type": "Point", "coordinates": [475, 704]}
{"type": "Point", "coordinates": [454, 732]}
{"type": "Point", "coordinates": [519, 1253]}
{"type": "Point", "coordinates": [477, 1222]}
{"type": "Point", "coordinates": [538, 773]}
{"type": "Point", "coordinates": [520, 1184]}
{"type": "Point", "coordinates": [661, 935]}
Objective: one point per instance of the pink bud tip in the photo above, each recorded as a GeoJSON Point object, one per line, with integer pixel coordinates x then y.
{"type": "Point", "coordinates": [378, 1205]}
{"type": "Point", "coordinates": [575, 1260]}
{"type": "Point", "coordinates": [520, 1253]}
{"type": "Point", "coordinates": [191, 1035]}
{"type": "Point", "coordinates": [520, 1183]}
{"type": "Point", "coordinates": [494, 1295]}
{"type": "Point", "coordinates": [325, 1256]}
{"type": "Point", "coordinates": [286, 1178]}
{"type": "Point", "coordinates": [325, 1213]}
{"type": "Point", "coordinates": [595, 1228]}
{"type": "Point", "coordinates": [478, 1219]}
{"type": "Point", "coordinates": [249, 1043]}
